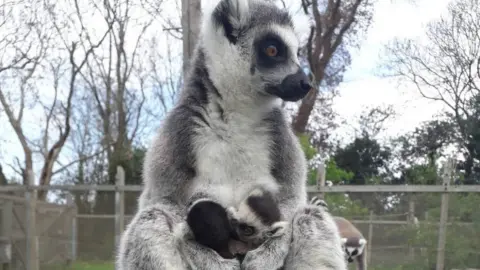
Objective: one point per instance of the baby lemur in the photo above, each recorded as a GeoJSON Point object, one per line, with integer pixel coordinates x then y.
{"type": "Point", "coordinates": [233, 231]}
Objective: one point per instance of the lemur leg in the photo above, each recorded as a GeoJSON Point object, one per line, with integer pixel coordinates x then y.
{"type": "Point", "coordinates": [150, 243]}
{"type": "Point", "coordinates": [312, 242]}
{"type": "Point", "coordinates": [362, 260]}
{"type": "Point", "coordinates": [316, 241]}
{"type": "Point", "coordinates": [270, 255]}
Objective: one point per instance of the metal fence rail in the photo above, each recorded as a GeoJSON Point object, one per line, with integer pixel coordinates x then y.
{"type": "Point", "coordinates": [120, 216]}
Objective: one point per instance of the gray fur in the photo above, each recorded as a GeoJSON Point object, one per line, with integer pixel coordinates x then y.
{"type": "Point", "coordinates": [321, 253]}
{"type": "Point", "coordinates": [224, 136]}
{"type": "Point", "coordinates": [262, 214]}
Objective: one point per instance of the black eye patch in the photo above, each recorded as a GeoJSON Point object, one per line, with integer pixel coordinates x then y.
{"type": "Point", "coordinates": [246, 229]}
{"type": "Point", "coordinates": [355, 252]}
{"type": "Point", "coordinates": [265, 45]}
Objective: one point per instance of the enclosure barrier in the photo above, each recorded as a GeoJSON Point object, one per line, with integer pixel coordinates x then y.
{"type": "Point", "coordinates": [120, 188]}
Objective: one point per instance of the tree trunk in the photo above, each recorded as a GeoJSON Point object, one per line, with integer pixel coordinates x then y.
{"type": "Point", "coordinates": [191, 15]}
{"type": "Point", "coordinates": [3, 178]}
{"type": "Point", "coordinates": [304, 111]}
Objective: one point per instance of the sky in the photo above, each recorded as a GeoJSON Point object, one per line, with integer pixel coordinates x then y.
{"type": "Point", "coordinates": [361, 88]}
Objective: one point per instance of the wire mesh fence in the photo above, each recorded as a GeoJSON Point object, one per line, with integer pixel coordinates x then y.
{"type": "Point", "coordinates": [402, 224]}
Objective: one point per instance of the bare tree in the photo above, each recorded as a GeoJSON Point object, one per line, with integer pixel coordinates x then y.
{"type": "Point", "coordinates": [62, 64]}
{"type": "Point", "coordinates": [163, 74]}
{"type": "Point", "coordinates": [115, 78]}
{"type": "Point", "coordinates": [335, 26]}
{"type": "Point", "coordinates": [445, 67]}
{"type": "Point", "coordinates": [372, 120]}
{"type": "Point", "coordinates": [22, 46]}
{"type": "Point", "coordinates": [118, 85]}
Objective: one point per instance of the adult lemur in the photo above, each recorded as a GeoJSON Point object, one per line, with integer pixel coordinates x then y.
{"type": "Point", "coordinates": [353, 242]}
{"type": "Point", "coordinates": [226, 135]}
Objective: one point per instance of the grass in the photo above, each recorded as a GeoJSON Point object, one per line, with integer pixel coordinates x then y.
{"type": "Point", "coordinates": [84, 266]}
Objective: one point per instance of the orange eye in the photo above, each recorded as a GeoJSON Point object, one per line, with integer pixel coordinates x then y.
{"type": "Point", "coordinates": [271, 51]}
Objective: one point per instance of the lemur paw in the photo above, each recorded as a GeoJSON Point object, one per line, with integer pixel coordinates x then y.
{"type": "Point", "coordinates": [318, 202]}
{"type": "Point", "coordinates": [316, 210]}
{"type": "Point", "coordinates": [270, 255]}
{"type": "Point", "coordinates": [312, 221]}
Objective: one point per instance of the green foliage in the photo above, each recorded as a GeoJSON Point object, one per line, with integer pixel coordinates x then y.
{"type": "Point", "coordinates": [462, 241]}
{"type": "Point", "coordinates": [343, 205]}
{"type": "Point", "coordinates": [138, 156]}
{"type": "Point", "coordinates": [310, 152]}
{"type": "Point", "coordinates": [339, 204]}
{"type": "Point", "coordinates": [82, 266]}
{"type": "Point", "coordinates": [364, 157]}
{"type": "Point", "coordinates": [336, 174]}
{"type": "Point", "coordinates": [421, 174]}
{"type": "Point", "coordinates": [307, 147]}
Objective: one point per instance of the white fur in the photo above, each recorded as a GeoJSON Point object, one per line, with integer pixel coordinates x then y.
{"type": "Point", "coordinates": [198, 201]}
{"type": "Point", "coordinates": [362, 242]}
{"type": "Point", "coordinates": [214, 40]}
{"type": "Point", "coordinates": [244, 152]}
{"type": "Point", "coordinates": [247, 146]}
{"type": "Point", "coordinates": [351, 250]}
{"type": "Point", "coordinates": [315, 250]}
{"type": "Point", "coordinates": [279, 227]}
{"type": "Point", "coordinates": [290, 39]}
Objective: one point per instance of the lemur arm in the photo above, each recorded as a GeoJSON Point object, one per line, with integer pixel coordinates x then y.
{"type": "Point", "coordinates": [157, 238]}
{"type": "Point", "coordinates": [272, 253]}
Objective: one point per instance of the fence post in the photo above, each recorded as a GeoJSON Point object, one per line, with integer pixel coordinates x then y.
{"type": "Point", "coordinates": [7, 215]}
{"type": "Point", "coordinates": [119, 205]}
{"type": "Point", "coordinates": [321, 174]}
{"type": "Point", "coordinates": [411, 220]}
{"type": "Point", "coordinates": [370, 237]}
{"type": "Point", "coordinates": [73, 251]}
{"type": "Point", "coordinates": [32, 260]}
{"type": "Point", "coordinates": [442, 230]}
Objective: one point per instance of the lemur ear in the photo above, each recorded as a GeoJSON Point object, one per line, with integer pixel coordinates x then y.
{"type": "Point", "coordinates": [277, 229]}
{"type": "Point", "coordinates": [362, 242]}
{"type": "Point", "coordinates": [231, 15]}
{"type": "Point", "coordinates": [344, 241]}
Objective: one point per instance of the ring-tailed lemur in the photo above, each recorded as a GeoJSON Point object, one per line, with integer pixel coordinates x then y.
{"type": "Point", "coordinates": [257, 218]}
{"type": "Point", "coordinates": [227, 134]}
{"type": "Point", "coordinates": [353, 242]}
{"type": "Point", "coordinates": [241, 228]}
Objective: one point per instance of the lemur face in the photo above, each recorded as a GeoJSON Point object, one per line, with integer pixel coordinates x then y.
{"type": "Point", "coordinates": [262, 42]}
{"type": "Point", "coordinates": [353, 248]}
{"type": "Point", "coordinates": [275, 63]}
{"type": "Point", "coordinates": [257, 218]}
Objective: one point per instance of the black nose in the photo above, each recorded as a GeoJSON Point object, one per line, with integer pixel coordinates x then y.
{"type": "Point", "coordinates": [305, 85]}
{"type": "Point", "coordinates": [294, 87]}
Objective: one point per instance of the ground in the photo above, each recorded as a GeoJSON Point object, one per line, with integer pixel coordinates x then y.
{"type": "Point", "coordinates": [85, 266]}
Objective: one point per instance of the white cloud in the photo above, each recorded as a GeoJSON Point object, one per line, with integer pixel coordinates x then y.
{"type": "Point", "coordinates": [362, 88]}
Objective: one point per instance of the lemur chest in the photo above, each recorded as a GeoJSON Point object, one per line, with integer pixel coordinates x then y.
{"type": "Point", "coordinates": [231, 162]}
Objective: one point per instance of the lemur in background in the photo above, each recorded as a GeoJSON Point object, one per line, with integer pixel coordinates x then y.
{"type": "Point", "coordinates": [353, 242]}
